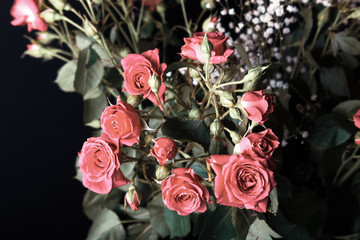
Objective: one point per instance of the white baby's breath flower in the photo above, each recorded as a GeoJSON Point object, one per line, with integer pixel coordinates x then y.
{"type": "Point", "coordinates": [231, 25]}
{"type": "Point", "coordinates": [248, 16]}
{"type": "Point", "coordinates": [286, 30]}
{"type": "Point", "coordinates": [231, 11]}
{"type": "Point", "coordinates": [291, 9]}
{"type": "Point", "coordinates": [257, 28]}
{"type": "Point", "coordinates": [241, 25]}
{"type": "Point", "coordinates": [224, 12]}
{"type": "Point", "coordinates": [255, 21]}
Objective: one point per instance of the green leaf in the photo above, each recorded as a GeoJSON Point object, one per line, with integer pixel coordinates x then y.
{"type": "Point", "coordinates": [106, 226]}
{"type": "Point", "coordinates": [334, 79]}
{"type": "Point", "coordinates": [193, 130]}
{"type": "Point", "coordinates": [260, 230]}
{"type": "Point", "coordinates": [94, 202]}
{"type": "Point", "coordinates": [240, 223]}
{"type": "Point", "coordinates": [330, 130]}
{"type": "Point", "coordinates": [199, 170]}
{"type": "Point", "coordinates": [176, 65]}
{"type": "Point", "coordinates": [274, 201]}
{"type": "Point", "coordinates": [81, 40]}
{"type": "Point", "coordinates": [93, 108]}
{"type": "Point", "coordinates": [147, 30]}
{"type": "Point", "coordinates": [157, 218]}
{"type": "Point", "coordinates": [94, 93]}
{"type": "Point", "coordinates": [141, 231]}
{"type": "Point", "coordinates": [218, 225]}
{"type": "Point", "coordinates": [243, 55]}
{"type": "Point", "coordinates": [179, 225]}
{"type": "Point", "coordinates": [347, 108]}
{"type": "Point", "coordinates": [346, 43]}
{"type": "Point", "coordinates": [88, 74]}
{"type": "Point", "coordinates": [66, 77]}
{"type": "Point", "coordinates": [308, 15]}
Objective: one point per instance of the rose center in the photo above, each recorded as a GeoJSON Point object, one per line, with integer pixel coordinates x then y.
{"type": "Point", "coordinates": [140, 81]}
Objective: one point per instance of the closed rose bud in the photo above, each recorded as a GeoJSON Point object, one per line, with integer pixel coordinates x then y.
{"type": "Point", "coordinates": [60, 4]}
{"type": "Point", "coordinates": [216, 127]}
{"type": "Point", "coordinates": [194, 74]}
{"type": "Point", "coordinates": [133, 198]}
{"type": "Point", "coordinates": [45, 37]}
{"type": "Point", "coordinates": [209, 25]}
{"type": "Point", "coordinates": [235, 137]}
{"type": "Point", "coordinates": [162, 172]}
{"type": "Point", "coordinates": [90, 30]}
{"type": "Point", "coordinates": [164, 149]}
{"type": "Point", "coordinates": [148, 139]}
{"type": "Point", "coordinates": [34, 50]}
{"type": "Point", "coordinates": [50, 16]}
{"type": "Point", "coordinates": [134, 100]}
{"type": "Point", "coordinates": [154, 83]}
{"type": "Point", "coordinates": [252, 77]}
{"type": "Point", "coordinates": [229, 74]}
{"type": "Point", "coordinates": [235, 113]}
{"type": "Point", "coordinates": [195, 113]}
{"type": "Point", "coordinates": [357, 138]}
{"type": "Point", "coordinates": [323, 17]}
{"type": "Point", "coordinates": [206, 47]}
{"type": "Point", "coordinates": [208, 4]}
{"type": "Point", "coordinates": [226, 98]}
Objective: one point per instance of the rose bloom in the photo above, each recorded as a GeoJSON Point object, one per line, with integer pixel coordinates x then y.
{"type": "Point", "coordinates": [164, 150]}
{"type": "Point", "coordinates": [262, 143]}
{"type": "Point", "coordinates": [99, 162]}
{"type": "Point", "coordinates": [25, 12]}
{"type": "Point", "coordinates": [138, 68]}
{"type": "Point", "coordinates": [220, 51]}
{"type": "Point", "coordinates": [258, 105]}
{"type": "Point", "coordinates": [356, 118]}
{"type": "Point", "coordinates": [183, 192]}
{"type": "Point", "coordinates": [121, 123]}
{"type": "Point", "coordinates": [242, 181]}
{"type": "Point", "coordinates": [151, 4]}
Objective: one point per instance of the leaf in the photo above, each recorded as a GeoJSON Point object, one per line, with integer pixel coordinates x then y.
{"type": "Point", "coordinates": [66, 77]}
{"type": "Point", "coordinates": [347, 108]}
{"type": "Point", "coordinates": [145, 230]}
{"type": "Point", "coordinates": [94, 124]}
{"type": "Point", "coordinates": [218, 225]}
{"type": "Point", "coordinates": [199, 170]}
{"type": "Point", "coordinates": [88, 74]}
{"type": "Point", "coordinates": [346, 43]}
{"type": "Point", "coordinates": [240, 223]}
{"type": "Point", "coordinates": [179, 225]}
{"type": "Point", "coordinates": [106, 226]}
{"type": "Point", "coordinates": [147, 30]}
{"type": "Point", "coordinates": [93, 108]}
{"type": "Point", "coordinates": [176, 65]}
{"type": "Point", "coordinates": [259, 230]}
{"type": "Point", "coordinates": [81, 40]}
{"type": "Point", "coordinates": [193, 130]}
{"type": "Point", "coordinates": [274, 201]}
{"type": "Point", "coordinates": [102, 55]}
{"type": "Point", "coordinates": [334, 79]}
{"type": "Point", "coordinates": [94, 202]}
{"type": "Point", "coordinates": [330, 130]}
{"type": "Point", "coordinates": [243, 55]}
{"type": "Point", "coordinates": [157, 218]}
{"type": "Point", "coordinates": [94, 93]}
{"type": "Point", "coordinates": [307, 13]}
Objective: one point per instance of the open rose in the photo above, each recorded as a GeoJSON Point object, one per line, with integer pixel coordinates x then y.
{"type": "Point", "coordinates": [164, 149]}
{"type": "Point", "coordinates": [138, 68]}
{"type": "Point", "coordinates": [258, 105]}
{"type": "Point", "coordinates": [100, 165]}
{"type": "Point", "coordinates": [183, 192]}
{"type": "Point", "coordinates": [356, 118]}
{"type": "Point", "coordinates": [25, 12]}
{"type": "Point", "coordinates": [242, 181]}
{"type": "Point", "coordinates": [121, 123]}
{"type": "Point", "coordinates": [262, 143]}
{"type": "Point", "coordinates": [220, 51]}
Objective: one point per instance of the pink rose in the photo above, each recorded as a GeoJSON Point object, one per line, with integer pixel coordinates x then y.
{"type": "Point", "coordinates": [220, 51]}
{"type": "Point", "coordinates": [258, 105]}
{"type": "Point", "coordinates": [164, 150]}
{"type": "Point", "coordinates": [138, 68]}
{"type": "Point", "coordinates": [121, 123]}
{"type": "Point", "coordinates": [151, 4]}
{"type": "Point", "coordinates": [25, 12]}
{"type": "Point", "coordinates": [133, 198]}
{"type": "Point", "coordinates": [356, 118]}
{"type": "Point", "coordinates": [262, 143]}
{"type": "Point", "coordinates": [184, 193]}
{"type": "Point", "coordinates": [100, 165]}
{"type": "Point", "coordinates": [242, 181]}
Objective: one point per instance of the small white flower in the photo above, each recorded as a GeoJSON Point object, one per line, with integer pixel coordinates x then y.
{"type": "Point", "coordinates": [249, 31]}
{"type": "Point", "coordinates": [292, 9]}
{"type": "Point", "coordinates": [248, 16]}
{"type": "Point", "coordinates": [279, 11]}
{"type": "Point", "coordinates": [270, 24]}
{"type": "Point", "coordinates": [241, 25]}
{"type": "Point", "coordinates": [231, 25]}
{"type": "Point", "coordinates": [261, 9]}
{"type": "Point", "coordinates": [255, 21]}
{"type": "Point", "coordinates": [279, 84]}
{"type": "Point", "coordinates": [231, 11]}
{"type": "Point", "coordinates": [289, 69]}
{"type": "Point", "coordinates": [278, 75]}
{"type": "Point", "coordinates": [272, 83]}
{"type": "Point", "coordinates": [287, 21]}
{"type": "Point", "coordinates": [254, 36]}
{"type": "Point", "coordinates": [286, 86]}
{"type": "Point", "coordinates": [237, 30]}
{"type": "Point", "coordinates": [286, 30]}
{"type": "Point", "coordinates": [313, 97]}
{"type": "Point", "coordinates": [277, 55]}
{"type": "Point", "coordinates": [270, 41]}
{"type": "Point", "coordinates": [305, 134]}
{"type": "Point", "coordinates": [224, 12]}
{"type": "Point", "coordinates": [257, 28]}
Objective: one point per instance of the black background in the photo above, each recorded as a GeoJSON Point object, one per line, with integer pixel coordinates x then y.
{"type": "Point", "coordinates": [41, 132]}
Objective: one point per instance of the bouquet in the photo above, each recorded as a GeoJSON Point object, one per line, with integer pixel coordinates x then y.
{"type": "Point", "coordinates": [211, 119]}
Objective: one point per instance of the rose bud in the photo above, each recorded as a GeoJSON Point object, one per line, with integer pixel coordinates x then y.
{"type": "Point", "coordinates": [235, 137]}
{"type": "Point", "coordinates": [134, 100]}
{"type": "Point", "coordinates": [25, 12]}
{"type": "Point", "coordinates": [194, 74]}
{"type": "Point", "coordinates": [357, 138]}
{"type": "Point", "coordinates": [226, 98]}
{"type": "Point", "coordinates": [206, 47]}
{"type": "Point", "coordinates": [45, 37]}
{"type": "Point", "coordinates": [148, 139]}
{"type": "Point", "coordinates": [162, 172]}
{"type": "Point", "coordinates": [216, 127]}
{"type": "Point", "coordinates": [50, 16]}
{"type": "Point", "coordinates": [209, 25]}
{"type": "Point", "coordinates": [356, 119]}
{"type": "Point", "coordinates": [99, 162]}
{"type": "Point", "coordinates": [208, 4]}
{"type": "Point", "coordinates": [154, 83]}
{"type": "Point", "coordinates": [242, 181]}
{"type": "Point", "coordinates": [90, 29]}
{"type": "Point", "coordinates": [184, 193]}
{"type": "Point", "coordinates": [121, 123]}
{"type": "Point", "coordinates": [133, 198]}
{"type": "Point", "coordinates": [60, 5]}
{"type": "Point", "coordinates": [195, 113]}
{"type": "Point", "coordinates": [164, 149]}
{"type": "Point", "coordinates": [258, 105]}
{"type": "Point", "coordinates": [235, 113]}
{"type": "Point", "coordinates": [219, 53]}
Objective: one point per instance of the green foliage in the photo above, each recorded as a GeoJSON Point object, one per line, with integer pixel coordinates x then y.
{"type": "Point", "coordinates": [179, 225]}
{"type": "Point", "coordinates": [66, 77]}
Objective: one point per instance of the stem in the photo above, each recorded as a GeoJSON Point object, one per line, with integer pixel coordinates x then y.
{"type": "Point", "coordinates": [73, 23]}
{"type": "Point", "coordinates": [348, 173]}
{"type": "Point", "coordinates": [86, 9]}
{"type": "Point", "coordinates": [140, 17]}
{"type": "Point", "coordinates": [91, 10]}
{"type": "Point", "coordinates": [161, 104]}
{"type": "Point", "coordinates": [185, 17]}
{"type": "Point", "coordinates": [107, 50]}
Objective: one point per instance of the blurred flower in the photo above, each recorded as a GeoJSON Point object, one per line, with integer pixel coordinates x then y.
{"type": "Point", "coordinates": [25, 12]}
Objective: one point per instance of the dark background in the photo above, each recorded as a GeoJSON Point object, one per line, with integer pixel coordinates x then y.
{"type": "Point", "coordinates": [42, 131]}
